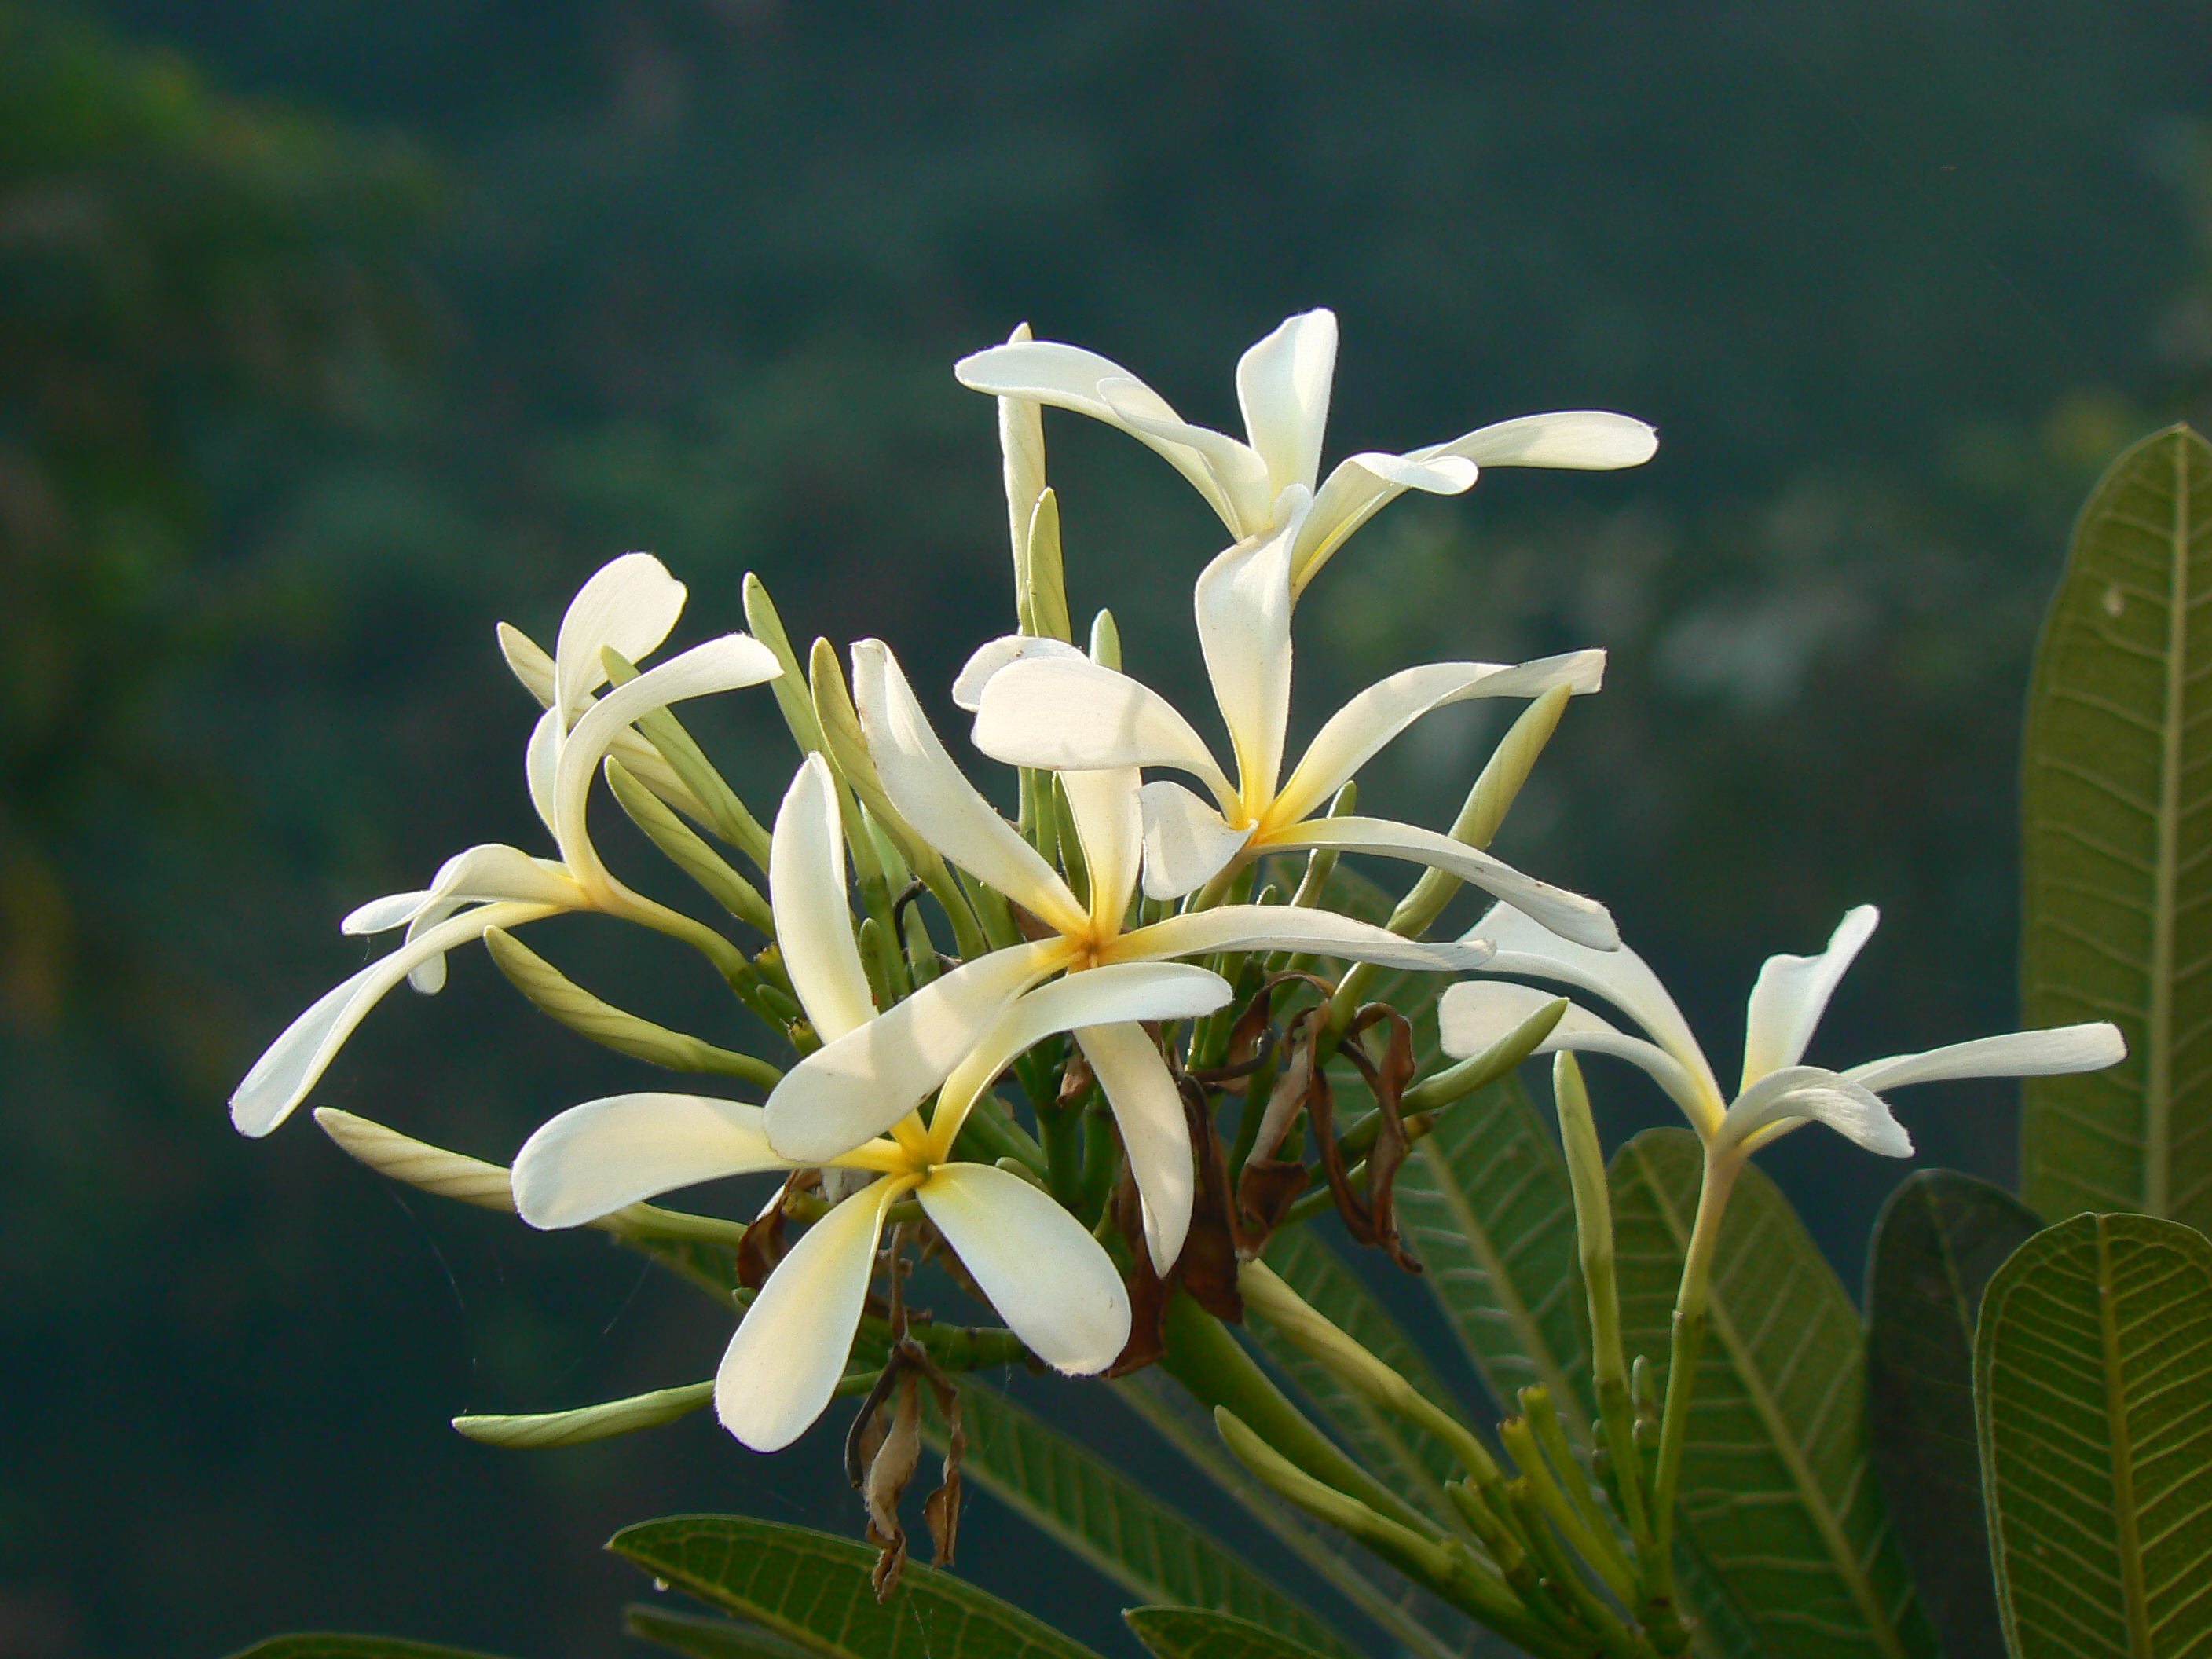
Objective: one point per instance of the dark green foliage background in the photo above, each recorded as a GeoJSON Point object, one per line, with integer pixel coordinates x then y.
{"type": "Point", "coordinates": [328, 334]}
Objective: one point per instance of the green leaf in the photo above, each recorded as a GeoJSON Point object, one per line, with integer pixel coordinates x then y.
{"type": "Point", "coordinates": [1411, 1464]}
{"type": "Point", "coordinates": [2117, 856]}
{"type": "Point", "coordinates": [707, 1638]}
{"type": "Point", "coordinates": [1194, 1633]}
{"type": "Point", "coordinates": [813, 1590]}
{"type": "Point", "coordinates": [1485, 1204]}
{"type": "Point", "coordinates": [1940, 1238]}
{"type": "Point", "coordinates": [1091, 1509]}
{"type": "Point", "coordinates": [1778, 1500]}
{"type": "Point", "coordinates": [2093, 1374]}
{"type": "Point", "coordinates": [329, 1644]}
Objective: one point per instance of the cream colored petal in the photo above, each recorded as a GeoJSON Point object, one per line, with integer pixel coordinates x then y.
{"type": "Point", "coordinates": [1283, 387]}
{"type": "Point", "coordinates": [1814, 1094]}
{"type": "Point", "coordinates": [933, 795]}
{"type": "Point", "coordinates": [1447, 476]}
{"type": "Point", "coordinates": [1001, 653]}
{"type": "Point", "coordinates": [592, 1159]}
{"type": "Point", "coordinates": [380, 915]}
{"type": "Point", "coordinates": [1043, 1272]}
{"type": "Point", "coordinates": [541, 766]}
{"type": "Point", "coordinates": [722, 665]}
{"type": "Point", "coordinates": [1352, 736]}
{"type": "Point", "coordinates": [2055, 1052]}
{"type": "Point", "coordinates": [1577, 440]}
{"type": "Point", "coordinates": [1529, 949]}
{"type": "Point", "coordinates": [1571, 916]}
{"type": "Point", "coordinates": [629, 603]}
{"type": "Point", "coordinates": [1187, 842]}
{"type": "Point", "coordinates": [1236, 468]}
{"type": "Point", "coordinates": [1069, 714]}
{"type": "Point", "coordinates": [1068, 377]}
{"type": "Point", "coordinates": [813, 915]}
{"type": "Point", "coordinates": [281, 1078]}
{"type": "Point", "coordinates": [855, 1088]}
{"type": "Point", "coordinates": [781, 1368]}
{"type": "Point", "coordinates": [1475, 1015]}
{"type": "Point", "coordinates": [1109, 821]}
{"type": "Point", "coordinates": [1243, 606]}
{"type": "Point", "coordinates": [1792, 993]}
{"type": "Point", "coordinates": [1286, 927]}
{"type": "Point", "coordinates": [1155, 1134]}
{"type": "Point", "coordinates": [1126, 991]}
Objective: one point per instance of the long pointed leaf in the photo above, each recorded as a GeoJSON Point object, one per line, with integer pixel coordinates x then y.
{"type": "Point", "coordinates": [1193, 1634]}
{"type": "Point", "coordinates": [1940, 1238]}
{"type": "Point", "coordinates": [813, 1590]}
{"type": "Point", "coordinates": [1778, 1496]}
{"type": "Point", "coordinates": [1076, 1497]}
{"type": "Point", "coordinates": [2116, 907]}
{"type": "Point", "coordinates": [2093, 1368]}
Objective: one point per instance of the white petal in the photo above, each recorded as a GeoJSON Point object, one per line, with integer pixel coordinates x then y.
{"type": "Point", "coordinates": [1811, 1092]}
{"type": "Point", "coordinates": [813, 916]}
{"type": "Point", "coordinates": [1286, 927]}
{"type": "Point", "coordinates": [1243, 606]}
{"type": "Point", "coordinates": [629, 603]}
{"type": "Point", "coordinates": [594, 1158]}
{"type": "Point", "coordinates": [1235, 468]}
{"type": "Point", "coordinates": [1792, 993]}
{"type": "Point", "coordinates": [1356, 733]}
{"type": "Point", "coordinates": [1047, 1278]}
{"type": "Point", "coordinates": [1283, 387]}
{"type": "Point", "coordinates": [854, 1088]}
{"type": "Point", "coordinates": [1069, 714]}
{"type": "Point", "coordinates": [989, 659]}
{"type": "Point", "coordinates": [1187, 842]}
{"type": "Point", "coordinates": [1109, 821]}
{"type": "Point", "coordinates": [1581, 921]}
{"type": "Point", "coordinates": [1155, 1134]}
{"type": "Point", "coordinates": [2063, 1049]}
{"type": "Point", "coordinates": [933, 795]}
{"type": "Point", "coordinates": [782, 1366]}
{"type": "Point", "coordinates": [1068, 377]}
{"type": "Point", "coordinates": [528, 661]}
{"type": "Point", "coordinates": [1125, 991]}
{"type": "Point", "coordinates": [722, 665]}
{"type": "Point", "coordinates": [1475, 1015]}
{"type": "Point", "coordinates": [1447, 476]}
{"type": "Point", "coordinates": [541, 765]}
{"type": "Point", "coordinates": [1577, 440]}
{"type": "Point", "coordinates": [494, 871]}
{"type": "Point", "coordinates": [380, 915]}
{"type": "Point", "coordinates": [1621, 977]}
{"type": "Point", "coordinates": [281, 1078]}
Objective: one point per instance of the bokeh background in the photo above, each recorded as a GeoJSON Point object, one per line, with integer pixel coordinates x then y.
{"type": "Point", "coordinates": [330, 333]}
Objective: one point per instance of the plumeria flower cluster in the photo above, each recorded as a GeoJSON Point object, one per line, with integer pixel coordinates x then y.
{"type": "Point", "coordinates": [1040, 1115]}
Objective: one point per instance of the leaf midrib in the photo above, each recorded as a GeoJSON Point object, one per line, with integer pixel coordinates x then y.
{"type": "Point", "coordinates": [2126, 1521]}
{"type": "Point", "coordinates": [2158, 1094]}
{"type": "Point", "coordinates": [1842, 1558]}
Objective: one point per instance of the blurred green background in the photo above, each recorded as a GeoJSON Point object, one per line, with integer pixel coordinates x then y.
{"type": "Point", "coordinates": [331, 332]}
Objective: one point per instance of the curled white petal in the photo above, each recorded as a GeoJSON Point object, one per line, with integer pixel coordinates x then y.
{"type": "Point", "coordinates": [1576, 440]}
{"type": "Point", "coordinates": [1447, 475]}
{"type": "Point", "coordinates": [380, 915]}
{"type": "Point", "coordinates": [1792, 993]}
{"type": "Point", "coordinates": [592, 1159]}
{"type": "Point", "coordinates": [1811, 1093]}
{"type": "Point", "coordinates": [1475, 1015]}
{"type": "Point", "coordinates": [1155, 1134]}
{"type": "Point", "coordinates": [1243, 606]}
{"type": "Point", "coordinates": [630, 604]}
{"type": "Point", "coordinates": [782, 1366]}
{"type": "Point", "coordinates": [1286, 927]}
{"type": "Point", "coordinates": [1282, 387]}
{"type": "Point", "coordinates": [1069, 714]}
{"type": "Point", "coordinates": [934, 797]}
{"type": "Point", "coordinates": [813, 917]}
{"type": "Point", "coordinates": [1187, 840]}
{"type": "Point", "coordinates": [2059, 1050]}
{"type": "Point", "coordinates": [989, 657]}
{"type": "Point", "coordinates": [1047, 1278]}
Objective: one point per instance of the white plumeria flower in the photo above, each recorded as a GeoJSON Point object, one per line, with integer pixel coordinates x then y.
{"type": "Point", "coordinates": [1047, 1278]}
{"type": "Point", "coordinates": [961, 1030]}
{"type": "Point", "coordinates": [1283, 387]}
{"type": "Point", "coordinates": [499, 886]}
{"type": "Point", "coordinates": [1038, 703]}
{"type": "Point", "coordinates": [1777, 1091]}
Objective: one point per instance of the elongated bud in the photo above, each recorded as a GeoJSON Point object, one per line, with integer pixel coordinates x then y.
{"type": "Point", "coordinates": [1346, 1513]}
{"type": "Point", "coordinates": [576, 1008]}
{"type": "Point", "coordinates": [527, 661]}
{"type": "Point", "coordinates": [588, 1423]}
{"type": "Point", "coordinates": [1021, 458]}
{"type": "Point", "coordinates": [793, 695]}
{"type": "Point", "coordinates": [1320, 863]}
{"type": "Point", "coordinates": [1487, 803]}
{"type": "Point", "coordinates": [1105, 641]}
{"type": "Point", "coordinates": [418, 1164]}
{"type": "Point", "coordinates": [688, 852]}
{"type": "Point", "coordinates": [1044, 581]}
{"type": "Point", "coordinates": [662, 746]}
{"type": "Point", "coordinates": [1480, 1071]}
